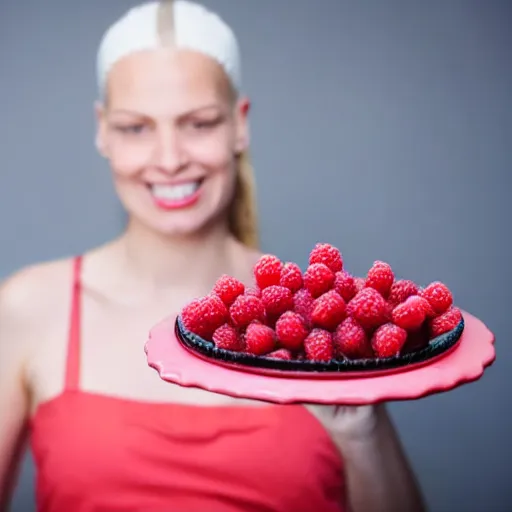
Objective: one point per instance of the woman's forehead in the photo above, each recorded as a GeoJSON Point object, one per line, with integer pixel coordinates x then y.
{"type": "Point", "coordinates": [167, 79]}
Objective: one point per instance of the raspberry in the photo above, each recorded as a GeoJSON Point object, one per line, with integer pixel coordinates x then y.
{"type": "Point", "coordinates": [303, 305]}
{"type": "Point", "coordinates": [291, 277]}
{"type": "Point", "coordinates": [345, 285]}
{"type": "Point", "coordinates": [350, 340]}
{"type": "Point", "coordinates": [429, 310]}
{"type": "Point", "coordinates": [439, 296]}
{"type": "Point", "coordinates": [381, 277]}
{"type": "Point", "coordinates": [267, 271]}
{"type": "Point", "coordinates": [227, 338]}
{"type": "Point", "coordinates": [318, 346]}
{"type": "Point", "coordinates": [369, 308]}
{"type": "Point", "coordinates": [445, 322]}
{"type": "Point", "coordinates": [203, 316]}
{"type": "Point", "coordinates": [254, 290]}
{"type": "Point", "coordinates": [282, 353]}
{"type": "Point", "coordinates": [259, 339]}
{"type": "Point", "coordinates": [291, 330]}
{"type": "Point", "coordinates": [388, 340]}
{"type": "Point", "coordinates": [318, 279]}
{"type": "Point", "coordinates": [360, 283]}
{"type": "Point", "coordinates": [246, 309]}
{"type": "Point", "coordinates": [401, 290]}
{"type": "Point", "coordinates": [410, 314]}
{"type": "Point", "coordinates": [228, 288]}
{"type": "Point", "coordinates": [328, 310]}
{"type": "Point", "coordinates": [328, 255]}
{"type": "Point", "coordinates": [276, 299]}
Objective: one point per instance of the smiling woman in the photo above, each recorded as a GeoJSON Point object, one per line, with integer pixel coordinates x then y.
{"type": "Point", "coordinates": [171, 138]}
{"type": "Point", "coordinates": [173, 125]}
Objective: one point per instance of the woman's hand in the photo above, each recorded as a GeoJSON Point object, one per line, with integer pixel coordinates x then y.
{"type": "Point", "coordinates": [347, 423]}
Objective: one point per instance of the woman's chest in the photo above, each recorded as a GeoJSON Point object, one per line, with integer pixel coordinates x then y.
{"type": "Point", "coordinates": [111, 358]}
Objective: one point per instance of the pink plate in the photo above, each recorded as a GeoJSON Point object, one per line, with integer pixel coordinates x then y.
{"type": "Point", "coordinates": [465, 363]}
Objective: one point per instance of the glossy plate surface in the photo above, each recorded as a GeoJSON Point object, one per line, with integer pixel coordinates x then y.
{"type": "Point", "coordinates": [465, 363]}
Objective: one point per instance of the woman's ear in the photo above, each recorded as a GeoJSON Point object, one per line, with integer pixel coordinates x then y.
{"type": "Point", "coordinates": [100, 140]}
{"type": "Point", "coordinates": [242, 128]}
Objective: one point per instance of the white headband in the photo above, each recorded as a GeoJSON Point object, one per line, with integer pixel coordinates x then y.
{"type": "Point", "coordinates": [194, 28]}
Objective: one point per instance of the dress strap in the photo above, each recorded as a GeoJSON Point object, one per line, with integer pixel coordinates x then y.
{"type": "Point", "coordinates": [72, 381]}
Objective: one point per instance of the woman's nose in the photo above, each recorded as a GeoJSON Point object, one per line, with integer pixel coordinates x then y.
{"type": "Point", "coordinates": [169, 154]}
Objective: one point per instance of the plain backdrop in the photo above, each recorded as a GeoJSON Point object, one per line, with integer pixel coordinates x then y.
{"type": "Point", "coordinates": [383, 127]}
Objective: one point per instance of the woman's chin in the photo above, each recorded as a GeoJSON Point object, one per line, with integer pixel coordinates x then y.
{"type": "Point", "coordinates": [181, 222]}
{"type": "Point", "coordinates": [191, 225]}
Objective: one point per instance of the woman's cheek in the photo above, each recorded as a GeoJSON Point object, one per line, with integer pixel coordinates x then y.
{"type": "Point", "coordinates": [129, 159]}
{"type": "Point", "coordinates": [213, 152]}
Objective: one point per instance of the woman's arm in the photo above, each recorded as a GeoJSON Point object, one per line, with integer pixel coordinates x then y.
{"type": "Point", "coordinates": [379, 478]}
{"type": "Point", "coordinates": [14, 402]}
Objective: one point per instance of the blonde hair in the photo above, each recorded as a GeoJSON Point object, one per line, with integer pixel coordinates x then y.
{"type": "Point", "coordinates": [243, 214]}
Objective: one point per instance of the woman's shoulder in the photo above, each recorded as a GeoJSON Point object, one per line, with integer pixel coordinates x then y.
{"type": "Point", "coordinates": [30, 301]}
{"type": "Point", "coordinates": [33, 288]}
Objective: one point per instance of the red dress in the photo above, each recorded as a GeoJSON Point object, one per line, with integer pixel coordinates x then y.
{"type": "Point", "coordinates": [96, 453]}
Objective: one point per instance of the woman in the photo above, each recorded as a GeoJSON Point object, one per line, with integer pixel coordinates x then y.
{"type": "Point", "coordinates": [106, 433]}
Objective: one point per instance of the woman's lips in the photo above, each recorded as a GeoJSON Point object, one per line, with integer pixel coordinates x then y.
{"type": "Point", "coordinates": [176, 195]}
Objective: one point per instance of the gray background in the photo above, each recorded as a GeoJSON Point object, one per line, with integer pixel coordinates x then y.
{"type": "Point", "coordinates": [381, 126]}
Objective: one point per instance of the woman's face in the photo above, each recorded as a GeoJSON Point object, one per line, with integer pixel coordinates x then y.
{"type": "Point", "coordinates": [171, 129]}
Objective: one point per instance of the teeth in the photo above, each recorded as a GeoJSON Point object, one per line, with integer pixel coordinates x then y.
{"type": "Point", "coordinates": [175, 192]}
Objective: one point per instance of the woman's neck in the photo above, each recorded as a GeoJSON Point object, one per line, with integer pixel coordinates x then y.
{"type": "Point", "coordinates": [185, 261]}
{"type": "Point", "coordinates": [142, 266]}
{"type": "Point", "coordinates": [146, 263]}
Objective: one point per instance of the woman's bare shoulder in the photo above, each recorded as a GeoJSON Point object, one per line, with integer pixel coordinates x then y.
{"type": "Point", "coordinates": [29, 304]}
{"type": "Point", "coordinates": [33, 289]}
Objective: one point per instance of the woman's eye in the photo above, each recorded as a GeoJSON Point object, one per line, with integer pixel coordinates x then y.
{"type": "Point", "coordinates": [132, 129]}
{"type": "Point", "coordinates": [202, 125]}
